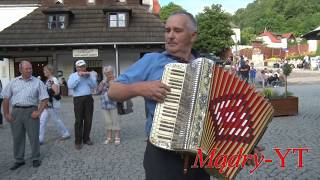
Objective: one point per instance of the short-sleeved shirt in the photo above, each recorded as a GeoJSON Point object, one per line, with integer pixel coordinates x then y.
{"type": "Point", "coordinates": [149, 68]}
{"type": "Point", "coordinates": [49, 83]}
{"type": "Point", "coordinates": [23, 92]}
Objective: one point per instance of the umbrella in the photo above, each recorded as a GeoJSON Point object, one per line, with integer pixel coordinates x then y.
{"type": "Point", "coordinates": [313, 35]}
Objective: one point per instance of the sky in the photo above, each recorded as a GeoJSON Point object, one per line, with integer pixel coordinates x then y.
{"type": "Point", "coordinates": [15, 14]}
{"type": "Point", "coordinates": [196, 6]}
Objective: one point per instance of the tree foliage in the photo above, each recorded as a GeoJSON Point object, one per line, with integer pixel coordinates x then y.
{"type": "Point", "coordinates": [167, 10]}
{"type": "Point", "coordinates": [247, 35]}
{"type": "Point", "coordinates": [279, 16]}
{"type": "Point", "coordinates": [214, 30]}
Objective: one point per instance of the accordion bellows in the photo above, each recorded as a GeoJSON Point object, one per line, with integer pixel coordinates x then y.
{"type": "Point", "coordinates": [209, 108]}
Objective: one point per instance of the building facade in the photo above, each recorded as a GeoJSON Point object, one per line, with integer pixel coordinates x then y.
{"type": "Point", "coordinates": [102, 32]}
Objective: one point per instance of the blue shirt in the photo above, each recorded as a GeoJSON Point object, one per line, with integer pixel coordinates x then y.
{"type": "Point", "coordinates": [149, 68]}
{"type": "Point", "coordinates": [253, 72]}
{"type": "Point", "coordinates": [80, 85]}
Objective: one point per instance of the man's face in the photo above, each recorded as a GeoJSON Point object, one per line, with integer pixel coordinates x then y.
{"type": "Point", "coordinates": [178, 36]}
{"type": "Point", "coordinates": [81, 68]}
{"type": "Point", "coordinates": [26, 70]}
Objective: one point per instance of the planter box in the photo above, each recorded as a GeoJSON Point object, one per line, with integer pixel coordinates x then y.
{"type": "Point", "coordinates": [285, 106]}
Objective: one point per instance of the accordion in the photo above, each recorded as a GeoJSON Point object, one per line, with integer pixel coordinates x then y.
{"type": "Point", "coordinates": [209, 108]}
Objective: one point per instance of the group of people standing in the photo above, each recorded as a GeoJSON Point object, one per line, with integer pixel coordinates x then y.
{"type": "Point", "coordinates": [34, 102]}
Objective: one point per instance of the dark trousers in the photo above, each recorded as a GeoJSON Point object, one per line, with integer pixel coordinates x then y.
{"type": "Point", "coordinates": [161, 164]}
{"type": "Point", "coordinates": [83, 111]}
{"type": "Point", "coordinates": [24, 123]}
{"type": "Point", "coordinates": [1, 122]}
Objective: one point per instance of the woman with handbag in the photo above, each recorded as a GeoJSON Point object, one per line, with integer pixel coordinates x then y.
{"type": "Point", "coordinates": [53, 107]}
{"type": "Point", "coordinates": [109, 107]}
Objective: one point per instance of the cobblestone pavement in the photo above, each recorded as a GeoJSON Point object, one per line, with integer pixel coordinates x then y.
{"type": "Point", "coordinates": [61, 161]}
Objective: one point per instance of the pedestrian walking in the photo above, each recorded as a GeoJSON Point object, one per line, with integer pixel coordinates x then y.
{"type": "Point", "coordinates": [252, 75]}
{"type": "Point", "coordinates": [52, 109]}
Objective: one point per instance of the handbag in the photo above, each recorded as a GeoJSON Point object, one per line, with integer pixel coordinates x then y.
{"type": "Point", "coordinates": [125, 107]}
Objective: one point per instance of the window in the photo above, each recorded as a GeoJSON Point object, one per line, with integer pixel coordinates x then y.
{"type": "Point", "coordinates": [91, 1]}
{"type": "Point", "coordinates": [117, 20]}
{"type": "Point", "coordinates": [59, 1]}
{"type": "Point", "coordinates": [56, 22]}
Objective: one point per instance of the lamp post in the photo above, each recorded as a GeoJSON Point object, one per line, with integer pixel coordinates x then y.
{"type": "Point", "coordinates": [298, 41]}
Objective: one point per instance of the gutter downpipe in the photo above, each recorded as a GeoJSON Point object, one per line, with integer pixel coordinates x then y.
{"type": "Point", "coordinates": [117, 60]}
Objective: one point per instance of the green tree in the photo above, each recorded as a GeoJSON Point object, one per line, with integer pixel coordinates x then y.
{"type": "Point", "coordinates": [167, 10]}
{"type": "Point", "coordinates": [247, 36]}
{"type": "Point", "coordinates": [214, 31]}
{"type": "Point", "coordinates": [279, 16]}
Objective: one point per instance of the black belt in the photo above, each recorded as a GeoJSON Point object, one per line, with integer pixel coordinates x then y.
{"type": "Point", "coordinates": [23, 107]}
{"type": "Point", "coordinates": [83, 96]}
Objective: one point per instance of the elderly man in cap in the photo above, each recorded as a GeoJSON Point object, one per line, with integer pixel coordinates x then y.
{"type": "Point", "coordinates": [28, 97]}
{"type": "Point", "coordinates": [82, 82]}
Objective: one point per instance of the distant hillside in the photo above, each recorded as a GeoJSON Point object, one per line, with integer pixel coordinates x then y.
{"type": "Point", "coordinates": [279, 16]}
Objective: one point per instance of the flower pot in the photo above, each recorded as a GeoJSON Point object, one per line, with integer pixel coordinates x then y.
{"type": "Point", "coordinates": [285, 106]}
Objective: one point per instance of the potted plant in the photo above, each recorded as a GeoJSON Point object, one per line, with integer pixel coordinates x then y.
{"type": "Point", "coordinates": [286, 70]}
{"type": "Point", "coordinates": [284, 104]}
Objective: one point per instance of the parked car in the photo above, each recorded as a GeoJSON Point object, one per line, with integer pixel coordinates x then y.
{"type": "Point", "coordinates": [213, 57]}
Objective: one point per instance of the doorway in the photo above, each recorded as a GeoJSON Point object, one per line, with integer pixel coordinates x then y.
{"type": "Point", "coordinates": [37, 65]}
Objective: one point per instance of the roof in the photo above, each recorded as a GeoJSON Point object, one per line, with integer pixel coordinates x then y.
{"type": "Point", "coordinates": [18, 2]}
{"type": "Point", "coordinates": [275, 38]}
{"type": "Point", "coordinates": [272, 36]}
{"type": "Point", "coordinates": [88, 26]}
{"type": "Point", "coordinates": [156, 7]}
{"type": "Point", "coordinates": [287, 35]}
{"type": "Point", "coordinates": [312, 35]}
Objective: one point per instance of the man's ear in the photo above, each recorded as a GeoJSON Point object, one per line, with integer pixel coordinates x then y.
{"type": "Point", "coordinates": [194, 36]}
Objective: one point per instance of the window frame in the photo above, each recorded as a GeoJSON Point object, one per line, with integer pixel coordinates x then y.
{"type": "Point", "coordinates": [119, 23]}
{"type": "Point", "coordinates": [55, 23]}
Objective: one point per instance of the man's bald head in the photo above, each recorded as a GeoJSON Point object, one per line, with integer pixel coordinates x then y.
{"type": "Point", "coordinates": [25, 69]}
{"type": "Point", "coordinates": [24, 63]}
{"type": "Point", "coordinates": [191, 22]}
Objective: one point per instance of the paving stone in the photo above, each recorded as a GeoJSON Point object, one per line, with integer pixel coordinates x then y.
{"type": "Point", "coordinates": [61, 161]}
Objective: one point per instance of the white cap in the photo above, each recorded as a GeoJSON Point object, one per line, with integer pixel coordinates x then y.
{"type": "Point", "coordinates": [80, 63]}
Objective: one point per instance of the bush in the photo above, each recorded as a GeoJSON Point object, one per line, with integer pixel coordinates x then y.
{"type": "Point", "coordinates": [269, 93]}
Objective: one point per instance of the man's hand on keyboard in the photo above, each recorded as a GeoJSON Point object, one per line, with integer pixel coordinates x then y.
{"type": "Point", "coordinates": [154, 90]}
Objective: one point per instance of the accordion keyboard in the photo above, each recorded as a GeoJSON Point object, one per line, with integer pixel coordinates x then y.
{"type": "Point", "coordinates": [168, 110]}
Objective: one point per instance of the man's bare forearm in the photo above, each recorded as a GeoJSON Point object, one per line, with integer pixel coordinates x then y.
{"type": "Point", "coordinates": [120, 92]}
{"type": "Point", "coordinates": [5, 106]}
{"type": "Point", "coordinates": [42, 105]}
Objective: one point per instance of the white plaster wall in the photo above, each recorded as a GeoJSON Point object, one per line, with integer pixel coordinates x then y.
{"type": "Point", "coordinates": [312, 45]}
{"type": "Point", "coordinates": [4, 72]}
